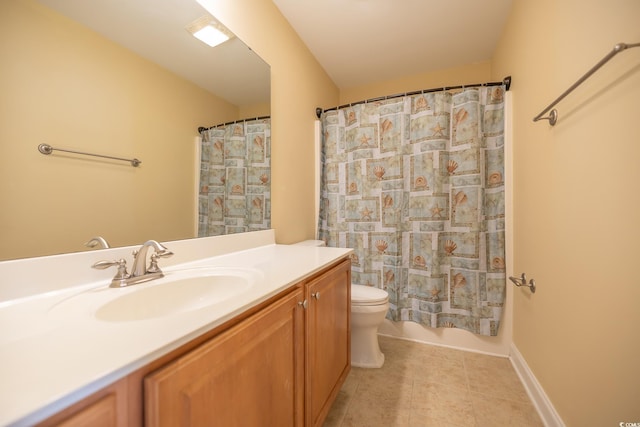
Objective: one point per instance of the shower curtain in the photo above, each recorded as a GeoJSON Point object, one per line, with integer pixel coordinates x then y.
{"type": "Point", "coordinates": [235, 178]}
{"type": "Point", "coordinates": [415, 185]}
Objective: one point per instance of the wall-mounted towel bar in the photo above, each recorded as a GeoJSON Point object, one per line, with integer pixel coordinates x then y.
{"type": "Point", "coordinates": [553, 115]}
{"type": "Point", "coordinates": [47, 149]}
{"type": "Point", "coordinates": [522, 281]}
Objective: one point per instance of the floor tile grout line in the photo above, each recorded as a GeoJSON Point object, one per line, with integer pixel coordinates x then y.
{"type": "Point", "coordinates": [350, 401]}
{"type": "Point", "coordinates": [466, 374]}
{"type": "Point", "coordinates": [469, 392]}
{"type": "Point", "coordinates": [474, 397]}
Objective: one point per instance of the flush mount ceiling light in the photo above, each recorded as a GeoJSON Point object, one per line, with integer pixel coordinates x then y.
{"type": "Point", "coordinates": [208, 30]}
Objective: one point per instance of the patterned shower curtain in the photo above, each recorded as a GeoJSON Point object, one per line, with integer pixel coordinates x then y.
{"type": "Point", "coordinates": [415, 185]}
{"type": "Point", "coordinates": [235, 178]}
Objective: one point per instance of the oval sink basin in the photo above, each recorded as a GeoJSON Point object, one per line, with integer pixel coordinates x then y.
{"type": "Point", "coordinates": [179, 291]}
{"type": "Point", "coordinates": [174, 294]}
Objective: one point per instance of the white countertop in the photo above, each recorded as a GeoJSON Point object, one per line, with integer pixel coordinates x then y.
{"type": "Point", "coordinates": [53, 352]}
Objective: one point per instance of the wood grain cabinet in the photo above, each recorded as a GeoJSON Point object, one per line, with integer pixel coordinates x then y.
{"type": "Point", "coordinates": [106, 408]}
{"type": "Point", "coordinates": [249, 375]}
{"type": "Point", "coordinates": [282, 367]}
{"type": "Point", "coordinates": [328, 340]}
{"type": "Point", "coordinates": [279, 364]}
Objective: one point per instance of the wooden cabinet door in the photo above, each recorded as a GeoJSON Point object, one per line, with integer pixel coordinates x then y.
{"type": "Point", "coordinates": [249, 375]}
{"type": "Point", "coordinates": [328, 333]}
{"type": "Point", "coordinates": [106, 408]}
{"type": "Point", "coordinates": [102, 413]}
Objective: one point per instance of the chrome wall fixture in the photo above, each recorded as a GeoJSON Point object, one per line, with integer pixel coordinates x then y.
{"type": "Point", "coordinates": [47, 149]}
{"type": "Point", "coordinates": [553, 114]}
{"type": "Point", "coordinates": [522, 281]}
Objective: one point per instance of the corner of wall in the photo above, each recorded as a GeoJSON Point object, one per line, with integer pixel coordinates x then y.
{"type": "Point", "coordinates": [541, 401]}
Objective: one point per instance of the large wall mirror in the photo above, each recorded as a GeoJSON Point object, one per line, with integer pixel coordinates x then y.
{"type": "Point", "coordinates": [118, 78]}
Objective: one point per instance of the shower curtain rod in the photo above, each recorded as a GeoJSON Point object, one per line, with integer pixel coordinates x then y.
{"type": "Point", "coordinates": [553, 115]}
{"type": "Point", "coordinates": [202, 128]}
{"type": "Point", "coordinates": [506, 82]}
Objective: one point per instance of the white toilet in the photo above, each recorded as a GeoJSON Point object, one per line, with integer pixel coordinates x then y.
{"type": "Point", "coordinates": [369, 307]}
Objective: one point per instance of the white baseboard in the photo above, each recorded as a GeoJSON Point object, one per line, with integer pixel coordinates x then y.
{"type": "Point", "coordinates": [540, 400]}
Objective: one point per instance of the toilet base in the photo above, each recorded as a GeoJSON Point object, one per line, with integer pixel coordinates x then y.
{"type": "Point", "coordinates": [365, 350]}
{"type": "Point", "coordinates": [367, 314]}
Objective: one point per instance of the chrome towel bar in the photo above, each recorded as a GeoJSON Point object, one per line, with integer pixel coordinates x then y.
{"type": "Point", "coordinates": [47, 149]}
{"type": "Point", "coordinates": [553, 115]}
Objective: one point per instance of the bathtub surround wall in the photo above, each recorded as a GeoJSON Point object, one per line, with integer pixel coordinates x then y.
{"type": "Point", "coordinates": [415, 185]}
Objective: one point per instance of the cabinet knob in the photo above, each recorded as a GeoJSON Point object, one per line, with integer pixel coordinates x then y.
{"type": "Point", "coordinates": [316, 295]}
{"type": "Point", "coordinates": [303, 304]}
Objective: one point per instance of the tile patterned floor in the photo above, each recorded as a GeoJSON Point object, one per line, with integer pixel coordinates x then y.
{"type": "Point", "coordinates": [423, 386]}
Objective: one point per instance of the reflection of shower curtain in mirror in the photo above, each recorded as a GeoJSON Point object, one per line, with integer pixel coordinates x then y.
{"type": "Point", "coordinates": [235, 178]}
{"type": "Point", "coordinates": [415, 185]}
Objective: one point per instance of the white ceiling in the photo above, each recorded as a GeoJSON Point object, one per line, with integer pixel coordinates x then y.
{"type": "Point", "coordinates": [155, 30]}
{"type": "Point", "coordinates": [365, 41]}
{"type": "Point", "coordinates": [356, 41]}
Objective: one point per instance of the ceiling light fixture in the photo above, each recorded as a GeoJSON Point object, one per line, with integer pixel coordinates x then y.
{"type": "Point", "coordinates": [208, 30]}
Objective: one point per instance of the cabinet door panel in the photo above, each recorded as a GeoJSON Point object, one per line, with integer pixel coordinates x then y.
{"type": "Point", "coordinates": [328, 339]}
{"type": "Point", "coordinates": [103, 413]}
{"type": "Point", "coordinates": [105, 408]}
{"type": "Point", "coordinates": [250, 375]}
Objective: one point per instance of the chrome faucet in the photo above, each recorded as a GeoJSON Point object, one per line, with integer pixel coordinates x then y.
{"type": "Point", "coordinates": [140, 272]}
{"type": "Point", "coordinates": [97, 241]}
{"type": "Point", "coordinates": [140, 258]}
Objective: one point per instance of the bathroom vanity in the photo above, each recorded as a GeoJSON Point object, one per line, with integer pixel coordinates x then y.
{"type": "Point", "coordinates": [275, 354]}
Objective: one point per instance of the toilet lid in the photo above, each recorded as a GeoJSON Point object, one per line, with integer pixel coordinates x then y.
{"type": "Point", "coordinates": [368, 295]}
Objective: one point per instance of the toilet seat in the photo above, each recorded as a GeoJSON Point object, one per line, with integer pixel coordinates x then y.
{"type": "Point", "coordinates": [367, 295]}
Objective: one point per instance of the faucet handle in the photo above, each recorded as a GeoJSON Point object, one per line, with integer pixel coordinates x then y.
{"type": "Point", "coordinates": [101, 265]}
{"type": "Point", "coordinates": [121, 276]}
{"type": "Point", "coordinates": [153, 265]}
{"type": "Point", "coordinates": [165, 253]}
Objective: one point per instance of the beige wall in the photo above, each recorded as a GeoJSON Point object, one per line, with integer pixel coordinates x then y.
{"type": "Point", "coordinates": [298, 86]}
{"type": "Point", "coordinates": [256, 110]}
{"type": "Point", "coordinates": [577, 204]}
{"type": "Point", "coordinates": [468, 74]}
{"type": "Point", "coordinates": [66, 86]}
